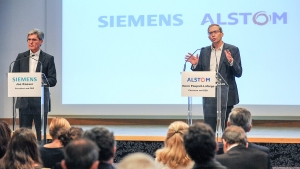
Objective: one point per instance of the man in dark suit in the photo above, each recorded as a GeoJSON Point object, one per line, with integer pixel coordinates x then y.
{"type": "Point", "coordinates": [30, 61]}
{"type": "Point", "coordinates": [105, 140]}
{"type": "Point", "coordinates": [200, 144]}
{"type": "Point", "coordinates": [242, 117]}
{"type": "Point", "coordinates": [237, 155]}
{"type": "Point", "coordinates": [224, 59]}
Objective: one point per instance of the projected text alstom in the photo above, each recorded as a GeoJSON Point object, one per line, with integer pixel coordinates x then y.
{"type": "Point", "coordinates": [140, 20]}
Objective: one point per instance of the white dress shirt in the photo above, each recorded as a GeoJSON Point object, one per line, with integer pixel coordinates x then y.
{"type": "Point", "coordinates": [33, 60]}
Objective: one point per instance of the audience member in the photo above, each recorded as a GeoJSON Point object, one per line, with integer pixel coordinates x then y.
{"type": "Point", "coordinates": [5, 135]}
{"type": "Point", "coordinates": [200, 144]}
{"type": "Point", "coordinates": [237, 155]}
{"type": "Point", "coordinates": [105, 140]}
{"type": "Point", "coordinates": [173, 154]}
{"type": "Point", "coordinates": [22, 151]}
{"type": "Point", "coordinates": [73, 134]}
{"type": "Point", "coordinates": [137, 161]}
{"type": "Point", "coordinates": [53, 152]}
{"type": "Point", "coordinates": [242, 117]}
{"type": "Point", "coordinates": [81, 154]}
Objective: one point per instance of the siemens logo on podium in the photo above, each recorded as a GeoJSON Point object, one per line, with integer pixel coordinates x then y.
{"type": "Point", "coordinates": [24, 79]}
{"type": "Point", "coordinates": [140, 20]}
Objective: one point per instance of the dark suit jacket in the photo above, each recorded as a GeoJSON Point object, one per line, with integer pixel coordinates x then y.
{"type": "Point", "coordinates": [213, 164]}
{"type": "Point", "coordinates": [227, 72]}
{"type": "Point", "coordinates": [250, 145]}
{"type": "Point", "coordinates": [241, 157]}
{"type": "Point", "coordinates": [22, 65]}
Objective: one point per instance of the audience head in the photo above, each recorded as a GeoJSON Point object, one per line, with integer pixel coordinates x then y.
{"type": "Point", "coordinates": [233, 135]}
{"type": "Point", "coordinates": [5, 135]}
{"type": "Point", "coordinates": [137, 161]}
{"type": "Point", "coordinates": [22, 151]}
{"type": "Point", "coordinates": [81, 154]}
{"type": "Point", "coordinates": [240, 117]}
{"type": "Point", "coordinates": [58, 126]}
{"type": "Point", "coordinates": [105, 141]}
{"type": "Point", "coordinates": [72, 134]}
{"type": "Point", "coordinates": [199, 142]}
{"type": "Point", "coordinates": [173, 153]}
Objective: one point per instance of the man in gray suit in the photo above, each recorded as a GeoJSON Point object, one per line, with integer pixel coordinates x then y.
{"type": "Point", "coordinates": [30, 61]}
{"type": "Point", "coordinates": [222, 58]}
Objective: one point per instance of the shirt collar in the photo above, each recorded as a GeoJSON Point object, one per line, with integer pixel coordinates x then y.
{"type": "Point", "coordinates": [233, 145]}
{"type": "Point", "coordinates": [221, 47]}
{"type": "Point", "coordinates": [36, 53]}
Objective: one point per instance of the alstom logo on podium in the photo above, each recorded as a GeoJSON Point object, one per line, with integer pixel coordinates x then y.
{"type": "Point", "coordinates": [140, 20]}
{"type": "Point", "coordinates": [198, 79]}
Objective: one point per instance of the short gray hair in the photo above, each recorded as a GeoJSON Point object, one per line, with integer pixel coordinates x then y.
{"type": "Point", "coordinates": [240, 117]}
{"type": "Point", "coordinates": [234, 134]}
{"type": "Point", "coordinates": [37, 32]}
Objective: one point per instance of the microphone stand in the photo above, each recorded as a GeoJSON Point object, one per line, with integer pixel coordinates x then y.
{"type": "Point", "coordinates": [189, 112]}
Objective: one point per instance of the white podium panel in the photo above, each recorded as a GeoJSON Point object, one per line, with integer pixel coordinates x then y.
{"type": "Point", "coordinates": [199, 84]}
{"type": "Point", "coordinates": [24, 84]}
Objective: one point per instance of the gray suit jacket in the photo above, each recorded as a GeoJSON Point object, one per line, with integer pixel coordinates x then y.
{"type": "Point", "coordinates": [22, 65]}
{"type": "Point", "coordinates": [227, 72]}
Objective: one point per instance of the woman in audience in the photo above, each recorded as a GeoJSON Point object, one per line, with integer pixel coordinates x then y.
{"type": "Point", "coordinates": [73, 134]}
{"type": "Point", "coordinates": [22, 151]}
{"type": "Point", "coordinates": [5, 134]}
{"type": "Point", "coordinates": [53, 152]}
{"type": "Point", "coordinates": [173, 154]}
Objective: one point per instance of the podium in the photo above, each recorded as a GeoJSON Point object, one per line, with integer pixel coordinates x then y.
{"type": "Point", "coordinates": [212, 87]}
{"type": "Point", "coordinates": [22, 85]}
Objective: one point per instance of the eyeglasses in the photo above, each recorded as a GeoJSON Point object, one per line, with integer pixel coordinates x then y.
{"type": "Point", "coordinates": [33, 40]}
{"type": "Point", "coordinates": [214, 32]}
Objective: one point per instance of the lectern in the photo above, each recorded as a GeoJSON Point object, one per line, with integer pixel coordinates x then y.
{"type": "Point", "coordinates": [212, 87]}
{"type": "Point", "coordinates": [25, 84]}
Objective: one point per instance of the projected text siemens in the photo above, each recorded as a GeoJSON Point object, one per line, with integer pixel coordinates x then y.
{"type": "Point", "coordinates": [140, 20]}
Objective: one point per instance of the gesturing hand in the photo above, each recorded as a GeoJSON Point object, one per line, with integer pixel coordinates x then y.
{"type": "Point", "coordinates": [192, 59]}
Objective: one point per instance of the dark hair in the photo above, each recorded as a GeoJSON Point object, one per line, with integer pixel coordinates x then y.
{"type": "Point", "coordinates": [240, 117]}
{"type": "Point", "coordinates": [199, 142]}
{"type": "Point", "coordinates": [80, 154]}
{"type": "Point", "coordinates": [22, 150]}
{"type": "Point", "coordinates": [72, 134]}
{"type": "Point", "coordinates": [5, 135]}
{"type": "Point", "coordinates": [220, 28]}
{"type": "Point", "coordinates": [234, 134]}
{"type": "Point", "coordinates": [105, 141]}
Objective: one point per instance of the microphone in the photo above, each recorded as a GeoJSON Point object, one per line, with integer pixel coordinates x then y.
{"type": "Point", "coordinates": [18, 60]}
{"type": "Point", "coordinates": [184, 66]}
{"type": "Point", "coordinates": [31, 57]}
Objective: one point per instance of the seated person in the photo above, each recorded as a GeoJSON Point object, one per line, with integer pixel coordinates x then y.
{"type": "Point", "coordinates": [237, 155]}
{"type": "Point", "coordinates": [53, 152]}
{"type": "Point", "coordinates": [105, 140]}
{"type": "Point", "coordinates": [137, 161]}
{"type": "Point", "coordinates": [200, 144]}
{"type": "Point", "coordinates": [5, 135]}
{"type": "Point", "coordinates": [22, 151]}
{"type": "Point", "coordinates": [173, 154]}
{"type": "Point", "coordinates": [81, 154]}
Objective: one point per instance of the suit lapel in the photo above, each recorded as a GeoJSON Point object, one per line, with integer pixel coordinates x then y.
{"type": "Point", "coordinates": [207, 59]}
{"type": "Point", "coordinates": [222, 56]}
{"type": "Point", "coordinates": [25, 65]}
{"type": "Point", "coordinates": [41, 59]}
